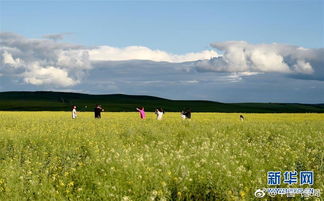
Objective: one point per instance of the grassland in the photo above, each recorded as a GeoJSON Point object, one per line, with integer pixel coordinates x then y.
{"type": "Point", "coordinates": [214, 156]}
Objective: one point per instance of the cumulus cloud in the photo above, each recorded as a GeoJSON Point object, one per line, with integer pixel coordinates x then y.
{"type": "Point", "coordinates": [107, 53]}
{"type": "Point", "coordinates": [49, 63]}
{"type": "Point", "coordinates": [9, 60]}
{"type": "Point", "coordinates": [42, 61]}
{"type": "Point", "coordinates": [49, 75]}
{"type": "Point", "coordinates": [302, 66]}
{"type": "Point", "coordinates": [240, 56]}
{"type": "Point", "coordinates": [39, 61]}
{"type": "Point", "coordinates": [77, 59]}
{"type": "Point", "coordinates": [19, 55]}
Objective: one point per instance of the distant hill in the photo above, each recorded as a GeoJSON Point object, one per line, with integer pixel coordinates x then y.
{"type": "Point", "coordinates": [62, 101]}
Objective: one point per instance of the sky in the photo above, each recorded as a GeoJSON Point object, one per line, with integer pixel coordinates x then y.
{"type": "Point", "coordinates": [228, 51]}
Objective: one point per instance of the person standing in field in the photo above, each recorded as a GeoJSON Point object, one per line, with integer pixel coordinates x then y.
{"type": "Point", "coordinates": [97, 111]}
{"type": "Point", "coordinates": [74, 112]}
{"type": "Point", "coordinates": [183, 116]}
{"type": "Point", "coordinates": [186, 114]}
{"type": "Point", "coordinates": [142, 112]}
{"type": "Point", "coordinates": [159, 113]}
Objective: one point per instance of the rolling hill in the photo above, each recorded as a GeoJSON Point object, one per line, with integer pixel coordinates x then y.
{"type": "Point", "coordinates": [62, 101]}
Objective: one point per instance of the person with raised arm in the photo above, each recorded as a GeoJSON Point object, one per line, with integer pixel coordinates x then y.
{"type": "Point", "coordinates": [142, 112]}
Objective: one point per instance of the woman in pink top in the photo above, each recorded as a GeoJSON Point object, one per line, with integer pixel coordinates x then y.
{"type": "Point", "coordinates": [142, 112]}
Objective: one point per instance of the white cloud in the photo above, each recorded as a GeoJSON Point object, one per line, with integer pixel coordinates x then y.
{"type": "Point", "coordinates": [78, 59]}
{"type": "Point", "coordinates": [267, 61]}
{"type": "Point", "coordinates": [192, 81]}
{"type": "Point", "coordinates": [249, 73]}
{"type": "Point", "coordinates": [303, 67]}
{"type": "Point", "coordinates": [48, 62]}
{"type": "Point", "coordinates": [41, 61]}
{"type": "Point", "coordinates": [8, 59]}
{"type": "Point", "coordinates": [107, 53]}
{"type": "Point", "coordinates": [52, 64]}
{"type": "Point", "coordinates": [240, 56]}
{"type": "Point", "coordinates": [49, 75]}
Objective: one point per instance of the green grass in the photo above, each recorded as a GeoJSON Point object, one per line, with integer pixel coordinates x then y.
{"type": "Point", "coordinates": [49, 156]}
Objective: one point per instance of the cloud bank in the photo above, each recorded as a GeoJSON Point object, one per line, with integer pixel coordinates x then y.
{"type": "Point", "coordinates": [240, 56]}
{"type": "Point", "coordinates": [48, 64]}
{"type": "Point", "coordinates": [107, 53]}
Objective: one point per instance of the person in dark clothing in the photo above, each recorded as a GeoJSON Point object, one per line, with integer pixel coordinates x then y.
{"type": "Point", "coordinates": [97, 111]}
{"type": "Point", "coordinates": [186, 114]}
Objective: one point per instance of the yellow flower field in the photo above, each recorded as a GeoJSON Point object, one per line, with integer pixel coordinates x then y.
{"type": "Point", "coordinates": [214, 156]}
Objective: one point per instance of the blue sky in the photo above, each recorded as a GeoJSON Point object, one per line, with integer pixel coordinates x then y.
{"type": "Point", "coordinates": [215, 50]}
{"type": "Point", "coordinates": [177, 27]}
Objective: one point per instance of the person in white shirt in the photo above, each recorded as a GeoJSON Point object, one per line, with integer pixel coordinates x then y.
{"type": "Point", "coordinates": [159, 113]}
{"type": "Point", "coordinates": [183, 116]}
{"type": "Point", "coordinates": [74, 112]}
